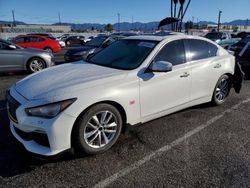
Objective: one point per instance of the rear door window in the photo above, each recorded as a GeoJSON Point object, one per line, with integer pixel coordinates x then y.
{"type": "Point", "coordinates": [35, 39]}
{"type": "Point", "coordinates": [173, 52]}
{"type": "Point", "coordinates": [199, 49]}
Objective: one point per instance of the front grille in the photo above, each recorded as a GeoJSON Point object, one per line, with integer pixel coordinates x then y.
{"type": "Point", "coordinates": [12, 107]}
{"type": "Point", "coordinates": [39, 138]}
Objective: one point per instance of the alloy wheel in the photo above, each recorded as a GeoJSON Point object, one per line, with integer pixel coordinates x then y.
{"type": "Point", "coordinates": [100, 129]}
{"type": "Point", "coordinates": [36, 65]}
{"type": "Point", "coordinates": [222, 90]}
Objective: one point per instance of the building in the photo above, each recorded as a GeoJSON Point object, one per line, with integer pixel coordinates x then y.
{"type": "Point", "coordinates": [34, 28]}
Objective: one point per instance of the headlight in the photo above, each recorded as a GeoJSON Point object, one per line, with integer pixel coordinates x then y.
{"type": "Point", "coordinates": [49, 110]}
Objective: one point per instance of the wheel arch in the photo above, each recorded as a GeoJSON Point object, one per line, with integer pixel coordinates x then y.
{"type": "Point", "coordinates": [49, 48]}
{"type": "Point", "coordinates": [118, 106]}
{"type": "Point", "coordinates": [29, 59]}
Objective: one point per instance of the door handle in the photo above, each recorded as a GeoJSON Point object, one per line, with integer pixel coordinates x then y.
{"type": "Point", "coordinates": [185, 75]}
{"type": "Point", "coordinates": [217, 66]}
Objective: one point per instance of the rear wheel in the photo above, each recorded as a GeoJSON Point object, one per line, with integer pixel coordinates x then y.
{"type": "Point", "coordinates": [36, 64]}
{"type": "Point", "coordinates": [221, 90]}
{"type": "Point", "coordinates": [98, 129]}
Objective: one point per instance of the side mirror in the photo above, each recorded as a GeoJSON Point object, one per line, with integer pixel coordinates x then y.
{"type": "Point", "coordinates": [161, 66]}
{"type": "Point", "coordinates": [12, 47]}
{"type": "Point", "coordinates": [223, 38]}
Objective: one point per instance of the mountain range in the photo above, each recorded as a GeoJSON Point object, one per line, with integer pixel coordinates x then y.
{"type": "Point", "coordinates": [129, 26]}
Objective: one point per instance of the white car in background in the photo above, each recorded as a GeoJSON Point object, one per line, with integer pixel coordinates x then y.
{"type": "Point", "coordinates": [85, 105]}
{"type": "Point", "coordinates": [62, 43]}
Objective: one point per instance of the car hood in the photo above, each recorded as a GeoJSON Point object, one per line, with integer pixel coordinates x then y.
{"type": "Point", "coordinates": [79, 49]}
{"type": "Point", "coordinates": [66, 79]}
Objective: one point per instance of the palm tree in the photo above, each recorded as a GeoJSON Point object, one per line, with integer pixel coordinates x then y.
{"type": "Point", "coordinates": [182, 13]}
{"type": "Point", "coordinates": [175, 4]}
{"type": "Point", "coordinates": [182, 2]}
{"type": "Point", "coordinates": [172, 26]}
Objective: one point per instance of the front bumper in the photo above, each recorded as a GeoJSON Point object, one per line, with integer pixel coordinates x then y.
{"type": "Point", "coordinates": [46, 137]}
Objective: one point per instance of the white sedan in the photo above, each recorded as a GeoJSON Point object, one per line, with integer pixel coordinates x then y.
{"type": "Point", "coordinates": [85, 105]}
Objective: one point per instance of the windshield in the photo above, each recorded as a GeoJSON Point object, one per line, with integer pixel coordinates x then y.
{"type": "Point", "coordinates": [124, 54]}
{"type": "Point", "coordinates": [10, 43]}
{"type": "Point", "coordinates": [96, 42]}
{"type": "Point", "coordinates": [213, 36]}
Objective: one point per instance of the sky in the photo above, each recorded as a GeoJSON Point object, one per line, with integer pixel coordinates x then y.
{"type": "Point", "coordinates": [106, 11]}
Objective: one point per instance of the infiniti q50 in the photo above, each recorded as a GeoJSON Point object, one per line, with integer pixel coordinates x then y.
{"type": "Point", "coordinates": [85, 105]}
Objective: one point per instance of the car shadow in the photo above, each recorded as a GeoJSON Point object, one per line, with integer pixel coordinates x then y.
{"type": "Point", "coordinates": [247, 73]}
{"type": "Point", "coordinates": [13, 73]}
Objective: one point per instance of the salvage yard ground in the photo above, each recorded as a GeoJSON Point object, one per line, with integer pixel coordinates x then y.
{"type": "Point", "coordinates": [203, 146]}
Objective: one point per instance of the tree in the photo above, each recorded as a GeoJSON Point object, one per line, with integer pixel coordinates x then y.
{"type": "Point", "coordinates": [189, 25]}
{"type": "Point", "coordinates": [109, 27]}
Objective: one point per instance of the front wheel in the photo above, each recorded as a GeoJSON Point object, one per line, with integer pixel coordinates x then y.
{"type": "Point", "coordinates": [98, 129]}
{"type": "Point", "coordinates": [36, 64]}
{"type": "Point", "coordinates": [221, 90]}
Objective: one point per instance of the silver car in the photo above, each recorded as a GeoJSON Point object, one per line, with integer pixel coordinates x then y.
{"type": "Point", "coordinates": [13, 58]}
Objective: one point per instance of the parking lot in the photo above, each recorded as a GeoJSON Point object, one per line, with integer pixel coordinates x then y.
{"type": "Point", "coordinates": [204, 146]}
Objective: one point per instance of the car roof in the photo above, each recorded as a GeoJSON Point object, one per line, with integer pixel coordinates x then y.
{"type": "Point", "coordinates": [147, 37]}
{"type": "Point", "coordinates": [161, 38]}
{"type": "Point", "coordinates": [20, 36]}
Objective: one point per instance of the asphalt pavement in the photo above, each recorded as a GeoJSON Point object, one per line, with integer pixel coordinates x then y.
{"type": "Point", "coordinates": [203, 146]}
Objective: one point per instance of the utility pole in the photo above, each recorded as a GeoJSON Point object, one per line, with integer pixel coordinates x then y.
{"type": "Point", "coordinates": [59, 17]}
{"type": "Point", "coordinates": [219, 21]}
{"type": "Point", "coordinates": [119, 20]}
{"type": "Point", "coordinates": [132, 22]}
{"type": "Point", "coordinates": [13, 15]}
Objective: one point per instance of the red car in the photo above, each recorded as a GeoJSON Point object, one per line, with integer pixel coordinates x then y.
{"type": "Point", "coordinates": [36, 41]}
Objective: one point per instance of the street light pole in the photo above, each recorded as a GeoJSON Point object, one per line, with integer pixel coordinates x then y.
{"type": "Point", "coordinates": [218, 29]}
{"type": "Point", "coordinates": [119, 22]}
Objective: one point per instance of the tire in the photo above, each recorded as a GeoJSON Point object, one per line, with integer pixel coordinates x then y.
{"type": "Point", "coordinates": [48, 49]}
{"type": "Point", "coordinates": [222, 90]}
{"type": "Point", "coordinates": [98, 129]}
{"type": "Point", "coordinates": [36, 64]}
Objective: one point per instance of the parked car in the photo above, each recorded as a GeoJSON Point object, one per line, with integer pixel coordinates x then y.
{"type": "Point", "coordinates": [91, 47]}
{"type": "Point", "coordinates": [242, 54]}
{"type": "Point", "coordinates": [242, 34]}
{"type": "Point", "coordinates": [36, 41]}
{"type": "Point", "coordinates": [14, 58]}
{"type": "Point", "coordinates": [88, 39]}
{"type": "Point", "coordinates": [224, 39]}
{"type": "Point", "coordinates": [62, 37]}
{"type": "Point", "coordinates": [238, 47]}
{"type": "Point", "coordinates": [75, 40]}
{"type": "Point", "coordinates": [134, 80]}
{"type": "Point", "coordinates": [50, 36]}
{"type": "Point", "coordinates": [43, 34]}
